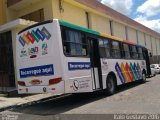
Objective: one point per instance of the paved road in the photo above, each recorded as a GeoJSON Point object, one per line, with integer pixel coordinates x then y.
{"type": "Point", "coordinates": [131, 98]}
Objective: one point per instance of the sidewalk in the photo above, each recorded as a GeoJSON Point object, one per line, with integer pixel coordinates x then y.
{"type": "Point", "coordinates": [11, 102]}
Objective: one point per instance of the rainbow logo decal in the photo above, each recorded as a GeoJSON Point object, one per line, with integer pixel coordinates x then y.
{"type": "Point", "coordinates": [34, 36]}
{"type": "Point", "coordinates": [128, 72]}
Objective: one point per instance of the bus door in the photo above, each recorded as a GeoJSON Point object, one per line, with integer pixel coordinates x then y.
{"type": "Point", "coordinates": [146, 57]}
{"type": "Point", "coordinates": [95, 63]}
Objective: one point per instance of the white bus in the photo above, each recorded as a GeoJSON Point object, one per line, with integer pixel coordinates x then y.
{"type": "Point", "coordinates": [59, 57]}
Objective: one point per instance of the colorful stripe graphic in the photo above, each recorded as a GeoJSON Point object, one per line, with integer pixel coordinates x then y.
{"type": "Point", "coordinates": [21, 41]}
{"type": "Point", "coordinates": [26, 39]}
{"type": "Point", "coordinates": [31, 37]}
{"type": "Point", "coordinates": [139, 71]}
{"type": "Point", "coordinates": [129, 72]}
{"type": "Point", "coordinates": [136, 71]}
{"type": "Point", "coordinates": [40, 34]}
{"type": "Point", "coordinates": [133, 71]}
{"type": "Point", "coordinates": [46, 33]}
{"type": "Point", "coordinates": [124, 71]}
{"type": "Point", "coordinates": [35, 36]}
{"type": "Point", "coordinates": [119, 72]}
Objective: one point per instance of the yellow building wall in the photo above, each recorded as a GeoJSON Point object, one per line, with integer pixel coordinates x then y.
{"type": "Point", "coordinates": [11, 15]}
{"type": "Point", "coordinates": [77, 15]}
{"type": "Point", "coordinates": [141, 40]}
{"type": "Point", "coordinates": [70, 13]}
{"type": "Point", "coordinates": [132, 35]}
{"type": "Point", "coordinates": [55, 9]}
{"type": "Point", "coordinates": [2, 12]}
{"type": "Point", "coordinates": [100, 23]}
{"type": "Point", "coordinates": [46, 5]}
{"type": "Point", "coordinates": [148, 42]}
{"type": "Point", "coordinates": [119, 30]}
{"type": "Point", "coordinates": [153, 45]}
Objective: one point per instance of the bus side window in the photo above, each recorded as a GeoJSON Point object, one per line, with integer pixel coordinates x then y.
{"type": "Point", "coordinates": [115, 50]}
{"type": "Point", "coordinates": [134, 53]}
{"type": "Point", "coordinates": [104, 48]}
{"type": "Point", "coordinates": [126, 51]}
{"type": "Point", "coordinates": [140, 53]}
{"type": "Point", "coordinates": [144, 53]}
{"type": "Point", "coordinates": [122, 51]}
{"type": "Point", "coordinates": [107, 48]}
{"type": "Point", "coordinates": [74, 43]}
{"type": "Point", "coordinates": [84, 46]}
{"type": "Point", "coordinates": [64, 39]}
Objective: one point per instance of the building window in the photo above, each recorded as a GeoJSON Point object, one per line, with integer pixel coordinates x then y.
{"type": "Point", "coordinates": [37, 16]}
{"type": "Point", "coordinates": [104, 48]}
{"type": "Point", "coordinates": [74, 43]}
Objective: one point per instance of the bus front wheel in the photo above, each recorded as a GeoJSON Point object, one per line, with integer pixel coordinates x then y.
{"type": "Point", "coordinates": [110, 85]}
{"type": "Point", "coordinates": [143, 77]}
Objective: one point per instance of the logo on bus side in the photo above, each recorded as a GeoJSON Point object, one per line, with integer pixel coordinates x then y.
{"type": "Point", "coordinates": [75, 85]}
{"type": "Point", "coordinates": [34, 36]}
{"type": "Point", "coordinates": [128, 72]}
{"type": "Point", "coordinates": [23, 53]}
{"type": "Point", "coordinates": [33, 52]}
{"type": "Point", "coordinates": [44, 48]}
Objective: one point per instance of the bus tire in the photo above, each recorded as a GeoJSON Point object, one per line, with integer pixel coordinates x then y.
{"type": "Point", "coordinates": [110, 85]}
{"type": "Point", "coordinates": [143, 76]}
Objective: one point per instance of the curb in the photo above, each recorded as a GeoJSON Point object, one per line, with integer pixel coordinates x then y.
{"type": "Point", "coordinates": [32, 102]}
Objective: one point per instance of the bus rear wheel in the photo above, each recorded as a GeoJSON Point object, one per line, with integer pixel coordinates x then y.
{"type": "Point", "coordinates": [110, 85]}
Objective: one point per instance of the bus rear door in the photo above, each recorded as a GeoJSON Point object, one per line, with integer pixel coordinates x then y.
{"type": "Point", "coordinates": [95, 63]}
{"type": "Point", "coordinates": [146, 57]}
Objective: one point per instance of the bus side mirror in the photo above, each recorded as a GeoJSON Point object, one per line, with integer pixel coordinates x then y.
{"type": "Point", "coordinates": [150, 54]}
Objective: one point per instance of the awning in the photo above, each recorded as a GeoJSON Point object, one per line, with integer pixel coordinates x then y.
{"type": "Point", "coordinates": [14, 24]}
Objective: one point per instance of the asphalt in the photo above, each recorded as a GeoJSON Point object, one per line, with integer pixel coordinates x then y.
{"type": "Point", "coordinates": [134, 98]}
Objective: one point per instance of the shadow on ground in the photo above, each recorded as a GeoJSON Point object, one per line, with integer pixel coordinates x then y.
{"type": "Point", "coordinates": [64, 104]}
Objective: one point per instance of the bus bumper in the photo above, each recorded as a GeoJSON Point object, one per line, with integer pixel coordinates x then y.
{"type": "Point", "coordinates": [55, 89]}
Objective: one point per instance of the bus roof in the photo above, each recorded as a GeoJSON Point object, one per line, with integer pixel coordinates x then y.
{"type": "Point", "coordinates": [77, 27]}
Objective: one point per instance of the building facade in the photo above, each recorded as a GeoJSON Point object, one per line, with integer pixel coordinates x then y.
{"type": "Point", "coordinates": [18, 14]}
{"type": "Point", "coordinates": [2, 12]}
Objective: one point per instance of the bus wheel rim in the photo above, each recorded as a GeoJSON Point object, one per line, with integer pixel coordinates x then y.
{"type": "Point", "coordinates": [143, 76]}
{"type": "Point", "coordinates": [110, 85]}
